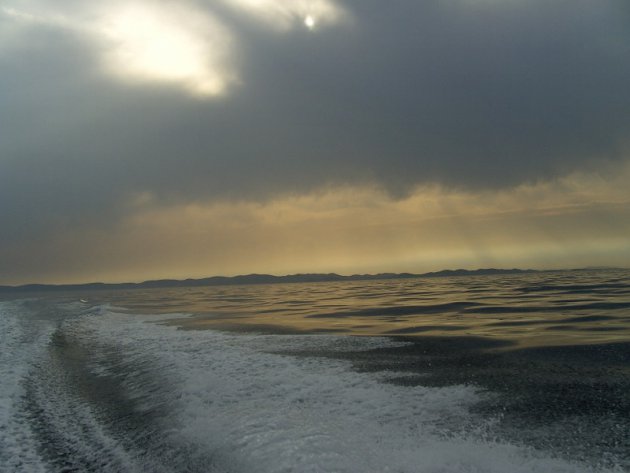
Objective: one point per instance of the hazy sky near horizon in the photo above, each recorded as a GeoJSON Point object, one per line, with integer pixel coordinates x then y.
{"type": "Point", "coordinates": [143, 138]}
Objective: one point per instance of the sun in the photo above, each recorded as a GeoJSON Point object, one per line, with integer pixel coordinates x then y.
{"type": "Point", "coordinates": [309, 21]}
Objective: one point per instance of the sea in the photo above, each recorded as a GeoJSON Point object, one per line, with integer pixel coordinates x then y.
{"type": "Point", "coordinates": [512, 373]}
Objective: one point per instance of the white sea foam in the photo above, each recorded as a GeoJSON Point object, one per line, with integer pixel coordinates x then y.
{"type": "Point", "coordinates": [22, 340]}
{"type": "Point", "coordinates": [36, 398]}
{"type": "Point", "coordinates": [254, 410]}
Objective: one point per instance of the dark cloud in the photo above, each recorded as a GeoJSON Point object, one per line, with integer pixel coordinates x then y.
{"type": "Point", "coordinates": [470, 94]}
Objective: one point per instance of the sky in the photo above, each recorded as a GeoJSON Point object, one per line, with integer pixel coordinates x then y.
{"type": "Point", "coordinates": [145, 139]}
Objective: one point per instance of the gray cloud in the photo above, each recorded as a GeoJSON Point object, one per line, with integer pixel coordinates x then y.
{"type": "Point", "coordinates": [466, 93]}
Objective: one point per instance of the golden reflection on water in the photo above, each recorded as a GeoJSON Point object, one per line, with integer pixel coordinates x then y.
{"type": "Point", "coordinates": [537, 309]}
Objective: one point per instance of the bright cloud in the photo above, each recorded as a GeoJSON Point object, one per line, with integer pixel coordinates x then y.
{"type": "Point", "coordinates": [168, 43]}
{"type": "Point", "coordinates": [145, 41]}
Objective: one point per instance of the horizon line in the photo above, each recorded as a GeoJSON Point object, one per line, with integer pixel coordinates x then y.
{"type": "Point", "coordinates": [273, 278]}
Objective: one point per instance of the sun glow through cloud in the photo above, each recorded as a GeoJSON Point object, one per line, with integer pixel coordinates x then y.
{"type": "Point", "coordinates": [283, 15]}
{"type": "Point", "coordinates": [309, 21]}
{"type": "Point", "coordinates": [146, 41]}
{"type": "Point", "coordinates": [168, 44]}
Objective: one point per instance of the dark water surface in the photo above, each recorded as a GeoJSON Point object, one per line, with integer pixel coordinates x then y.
{"type": "Point", "coordinates": [518, 373]}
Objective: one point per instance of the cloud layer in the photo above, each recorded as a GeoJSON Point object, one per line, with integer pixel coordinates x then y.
{"type": "Point", "coordinates": [109, 103]}
{"type": "Point", "coordinates": [577, 221]}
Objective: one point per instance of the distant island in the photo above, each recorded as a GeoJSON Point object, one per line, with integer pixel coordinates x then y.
{"type": "Point", "coordinates": [259, 279]}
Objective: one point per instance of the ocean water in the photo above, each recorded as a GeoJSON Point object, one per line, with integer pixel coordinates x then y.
{"type": "Point", "coordinates": [517, 373]}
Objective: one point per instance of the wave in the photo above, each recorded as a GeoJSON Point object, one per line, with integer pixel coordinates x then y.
{"type": "Point", "coordinates": [395, 311]}
{"type": "Point", "coordinates": [515, 309]}
{"type": "Point", "coordinates": [577, 288]}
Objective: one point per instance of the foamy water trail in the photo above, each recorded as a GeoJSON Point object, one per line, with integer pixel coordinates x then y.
{"type": "Point", "coordinates": [22, 342]}
{"type": "Point", "coordinates": [98, 390]}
